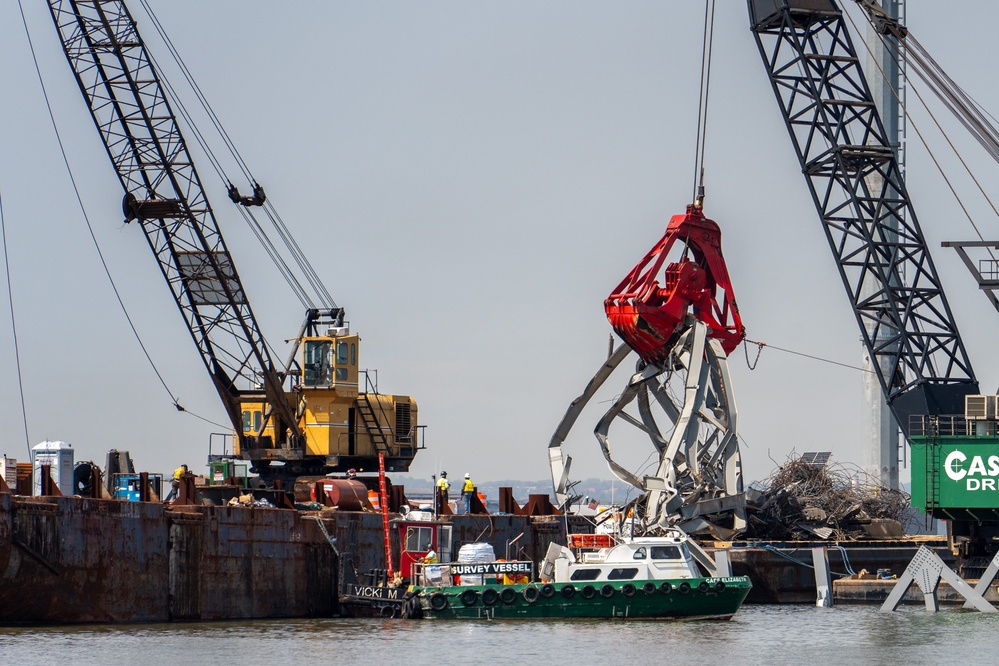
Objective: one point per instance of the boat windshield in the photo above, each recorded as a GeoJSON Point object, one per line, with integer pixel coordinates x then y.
{"type": "Point", "coordinates": [666, 553]}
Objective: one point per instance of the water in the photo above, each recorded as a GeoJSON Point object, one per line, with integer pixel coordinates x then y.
{"type": "Point", "coordinates": [757, 635]}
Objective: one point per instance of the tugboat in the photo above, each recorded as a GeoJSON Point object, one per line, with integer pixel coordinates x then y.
{"type": "Point", "coordinates": [606, 577]}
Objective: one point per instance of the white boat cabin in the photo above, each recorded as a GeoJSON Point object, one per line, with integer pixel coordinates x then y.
{"type": "Point", "coordinates": [641, 558]}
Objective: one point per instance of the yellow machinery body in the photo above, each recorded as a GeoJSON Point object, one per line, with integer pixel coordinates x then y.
{"type": "Point", "coordinates": [343, 422]}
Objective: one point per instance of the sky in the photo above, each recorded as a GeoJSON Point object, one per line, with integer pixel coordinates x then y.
{"type": "Point", "coordinates": [470, 180]}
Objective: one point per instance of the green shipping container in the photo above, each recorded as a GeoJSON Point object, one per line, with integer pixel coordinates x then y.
{"type": "Point", "coordinates": [956, 477]}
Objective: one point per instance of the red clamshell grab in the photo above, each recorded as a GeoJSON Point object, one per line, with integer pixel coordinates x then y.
{"type": "Point", "coordinates": [648, 311]}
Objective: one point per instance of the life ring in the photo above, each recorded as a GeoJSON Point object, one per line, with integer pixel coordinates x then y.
{"type": "Point", "coordinates": [489, 596]}
{"type": "Point", "coordinates": [508, 595]}
{"type": "Point", "coordinates": [469, 597]}
{"type": "Point", "coordinates": [547, 591]}
{"type": "Point", "coordinates": [628, 590]}
{"type": "Point", "coordinates": [666, 587]}
{"type": "Point", "coordinates": [703, 586]}
{"type": "Point", "coordinates": [684, 588]}
{"type": "Point", "coordinates": [649, 588]}
{"type": "Point", "coordinates": [607, 591]}
{"type": "Point", "coordinates": [438, 601]}
{"type": "Point", "coordinates": [719, 586]}
{"type": "Point", "coordinates": [531, 594]}
{"type": "Point", "coordinates": [568, 591]}
{"type": "Point", "coordinates": [588, 592]}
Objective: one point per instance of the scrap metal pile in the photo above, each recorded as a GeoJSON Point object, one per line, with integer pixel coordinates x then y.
{"type": "Point", "coordinates": [804, 500]}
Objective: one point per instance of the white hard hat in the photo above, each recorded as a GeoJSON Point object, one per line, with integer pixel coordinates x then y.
{"type": "Point", "coordinates": [468, 476]}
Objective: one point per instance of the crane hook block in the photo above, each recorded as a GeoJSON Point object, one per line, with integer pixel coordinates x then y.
{"type": "Point", "coordinates": [257, 199]}
{"type": "Point", "coordinates": [649, 306]}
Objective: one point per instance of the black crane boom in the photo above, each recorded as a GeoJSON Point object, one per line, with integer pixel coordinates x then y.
{"type": "Point", "coordinates": [164, 194]}
{"type": "Point", "coordinates": [856, 184]}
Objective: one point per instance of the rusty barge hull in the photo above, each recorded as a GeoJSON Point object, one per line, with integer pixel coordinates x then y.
{"type": "Point", "coordinates": [67, 560]}
{"type": "Point", "coordinates": [73, 560]}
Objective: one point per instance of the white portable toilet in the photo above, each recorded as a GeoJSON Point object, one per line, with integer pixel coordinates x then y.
{"type": "Point", "coordinates": [59, 457]}
{"type": "Point", "coordinates": [8, 470]}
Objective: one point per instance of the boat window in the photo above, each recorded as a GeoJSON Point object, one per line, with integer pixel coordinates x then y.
{"type": "Point", "coordinates": [666, 553]}
{"type": "Point", "coordinates": [622, 574]}
{"type": "Point", "coordinates": [639, 554]}
{"type": "Point", "coordinates": [419, 539]}
{"type": "Point", "coordinates": [585, 574]}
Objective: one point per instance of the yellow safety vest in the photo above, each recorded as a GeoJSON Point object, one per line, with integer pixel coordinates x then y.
{"type": "Point", "coordinates": [469, 486]}
{"type": "Point", "coordinates": [177, 473]}
{"type": "Point", "coordinates": [444, 484]}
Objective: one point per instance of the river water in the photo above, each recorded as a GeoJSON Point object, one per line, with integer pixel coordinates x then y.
{"type": "Point", "coordinates": [799, 635]}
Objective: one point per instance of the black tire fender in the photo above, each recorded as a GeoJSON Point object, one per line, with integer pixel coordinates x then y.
{"type": "Point", "coordinates": [684, 588]}
{"type": "Point", "coordinates": [588, 592]}
{"type": "Point", "coordinates": [568, 591]}
{"type": "Point", "coordinates": [703, 586]}
{"type": "Point", "coordinates": [649, 588]}
{"type": "Point", "coordinates": [531, 594]}
{"type": "Point", "coordinates": [438, 601]}
{"type": "Point", "coordinates": [628, 590]}
{"type": "Point", "coordinates": [547, 591]}
{"type": "Point", "coordinates": [606, 590]}
{"type": "Point", "coordinates": [469, 597]}
{"type": "Point", "coordinates": [719, 586]}
{"type": "Point", "coordinates": [489, 596]}
{"type": "Point", "coordinates": [508, 595]}
{"type": "Point", "coordinates": [666, 587]}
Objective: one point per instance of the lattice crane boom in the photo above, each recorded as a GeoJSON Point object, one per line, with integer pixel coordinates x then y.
{"type": "Point", "coordinates": [856, 184]}
{"type": "Point", "coordinates": [164, 193]}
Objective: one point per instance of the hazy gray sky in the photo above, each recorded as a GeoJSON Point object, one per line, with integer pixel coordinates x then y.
{"type": "Point", "coordinates": [470, 180]}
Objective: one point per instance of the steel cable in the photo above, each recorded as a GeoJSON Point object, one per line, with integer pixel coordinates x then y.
{"type": "Point", "coordinates": [13, 327]}
{"type": "Point", "coordinates": [299, 258]}
{"type": "Point", "coordinates": [951, 95]}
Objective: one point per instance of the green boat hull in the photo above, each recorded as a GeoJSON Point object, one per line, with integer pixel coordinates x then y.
{"type": "Point", "coordinates": [694, 598]}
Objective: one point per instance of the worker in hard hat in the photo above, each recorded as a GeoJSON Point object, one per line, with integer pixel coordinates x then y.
{"type": "Point", "coordinates": [467, 490]}
{"type": "Point", "coordinates": [443, 488]}
{"type": "Point", "coordinates": [430, 557]}
{"type": "Point", "coordinates": [175, 485]}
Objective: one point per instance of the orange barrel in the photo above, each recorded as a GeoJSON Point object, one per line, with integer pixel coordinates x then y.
{"type": "Point", "coordinates": [347, 495]}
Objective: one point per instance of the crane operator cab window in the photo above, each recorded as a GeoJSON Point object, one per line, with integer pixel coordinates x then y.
{"type": "Point", "coordinates": [318, 363]}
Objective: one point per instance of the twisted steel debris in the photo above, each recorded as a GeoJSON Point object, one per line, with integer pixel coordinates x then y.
{"type": "Point", "coordinates": [802, 500]}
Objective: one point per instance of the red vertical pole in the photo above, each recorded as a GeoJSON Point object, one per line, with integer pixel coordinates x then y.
{"type": "Point", "coordinates": [383, 502]}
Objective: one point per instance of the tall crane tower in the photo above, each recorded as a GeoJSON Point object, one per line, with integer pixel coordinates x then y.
{"type": "Point", "coordinates": [879, 430]}
{"type": "Point", "coordinates": [311, 414]}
